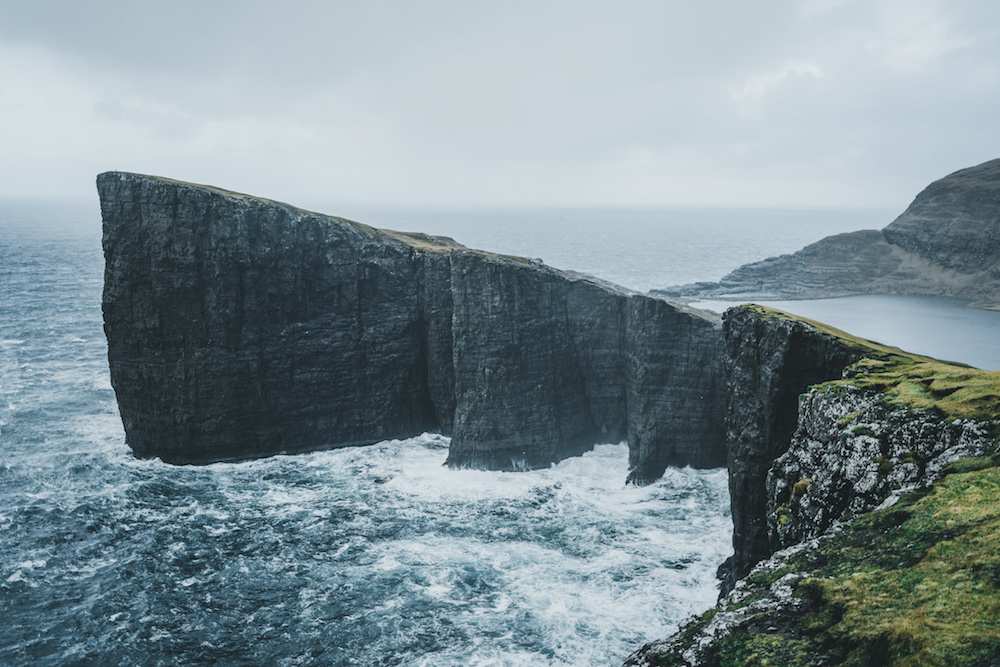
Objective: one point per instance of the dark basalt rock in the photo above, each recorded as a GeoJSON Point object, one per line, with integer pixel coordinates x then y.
{"type": "Point", "coordinates": [239, 327]}
{"type": "Point", "coordinates": [946, 243]}
{"type": "Point", "coordinates": [538, 360]}
{"type": "Point", "coordinates": [676, 389]}
{"type": "Point", "coordinates": [770, 362]}
{"type": "Point", "coordinates": [547, 363]}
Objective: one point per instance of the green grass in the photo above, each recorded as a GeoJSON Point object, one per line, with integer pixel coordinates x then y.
{"type": "Point", "coordinates": [916, 584]}
{"type": "Point", "coordinates": [425, 241]}
{"type": "Point", "coordinates": [953, 390]}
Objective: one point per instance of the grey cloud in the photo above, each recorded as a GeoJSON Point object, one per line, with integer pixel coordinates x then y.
{"type": "Point", "coordinates": [836, 97]}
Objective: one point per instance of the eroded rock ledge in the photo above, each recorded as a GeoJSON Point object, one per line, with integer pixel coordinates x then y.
{"type": "Point", "coordinates": [240, 327]}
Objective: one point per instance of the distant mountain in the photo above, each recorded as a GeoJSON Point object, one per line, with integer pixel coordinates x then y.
{"type": "Point", "coordinates": [947, 243]}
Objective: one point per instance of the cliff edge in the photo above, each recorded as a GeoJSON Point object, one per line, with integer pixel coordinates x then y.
{"type": "Point", "coordinates": [946, 243]}
{"type": "Point", "coordinates": [241, 327]}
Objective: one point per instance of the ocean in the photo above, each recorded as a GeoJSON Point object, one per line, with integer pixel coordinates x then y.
{"type": "Point", "coordinates": [363, 556]}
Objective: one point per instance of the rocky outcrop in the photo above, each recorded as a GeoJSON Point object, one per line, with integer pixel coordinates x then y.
{"type": "Point", "coordinates": [851, 453]}
{"type": "Point", "coordinates": [855, 453]}
{"type": "Point", "coordinates": [240, 327]}
{"type": "Point", "coordinates": [820, 576]}
{"type": "Point", "coordinates": [946, 243]}
{"type": "Point", "coordinates": [771, 360]}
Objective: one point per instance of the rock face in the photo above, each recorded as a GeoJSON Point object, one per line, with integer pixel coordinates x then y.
{"type": "Point", "coordinates": [947, 243]}
{"type": "Point", "coordinates": [850, 453]}
{"type": "Point", "coordinates": [564, 361]}
{"type": "Point", "coordinates": [662, 341]}
{"type": "Point", "coordinates": [240, 327]}
{"type": "Point", "coordinates": [771, 361]}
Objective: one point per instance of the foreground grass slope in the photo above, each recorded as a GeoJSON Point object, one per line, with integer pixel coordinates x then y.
{"type": "Point", "coordinates": [915, 584]}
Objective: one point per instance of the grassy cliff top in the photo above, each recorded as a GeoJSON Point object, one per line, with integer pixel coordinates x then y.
{"type": "Point", "coordinates": [954, 390]}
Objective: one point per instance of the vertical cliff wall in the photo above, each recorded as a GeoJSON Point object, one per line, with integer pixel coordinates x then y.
{"type": "Point", "coordinates": [547, 363]}
{"type": "Point", "coordinates": [771, 360]}
{"type": "Point", "coordinates": [676, 388]}
{"type": "Point", "coordinates": [240, 327]}
{"type": "Point", "coordinates": [538, 363]}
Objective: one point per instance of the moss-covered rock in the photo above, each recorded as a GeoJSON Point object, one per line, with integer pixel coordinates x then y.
{"type": "Point", "coordinates": [885, 503]}
{"type": "Point", "coordinates": [914, 584]}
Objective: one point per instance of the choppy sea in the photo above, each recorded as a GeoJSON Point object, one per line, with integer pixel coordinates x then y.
{"type": "Point", "coordinates": [363, 556]}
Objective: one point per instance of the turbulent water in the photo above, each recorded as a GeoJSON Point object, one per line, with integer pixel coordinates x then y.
{"type": "Point", "coordinates": [367, 556]}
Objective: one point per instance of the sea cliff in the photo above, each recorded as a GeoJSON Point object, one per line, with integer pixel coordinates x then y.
{"type": "Point", "coordinates": [872, 535]}
{"type": "Point", "coordinates": [770, 361]}
{"type": "Point", "coordinates": [863, 479]}
{"type": "Point", "coordinates": [241, 327]}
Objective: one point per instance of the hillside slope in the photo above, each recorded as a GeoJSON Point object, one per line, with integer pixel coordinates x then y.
{"type": "Point", "coordinates": [946, 243]}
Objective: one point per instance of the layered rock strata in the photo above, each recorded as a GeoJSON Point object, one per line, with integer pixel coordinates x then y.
{"type": "Point", "coordinates": [851, 453]}
{"type": "Point", "coordinates": [946, 243]}
{"type": "Point", "coordinates": [240, 327]}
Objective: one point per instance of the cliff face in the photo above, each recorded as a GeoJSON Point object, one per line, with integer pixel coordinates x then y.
{"type": "Point", "coordinates": [879, 559]}
{"type": "Point", "coordinates": [946, 243]}
{"type": "Point", "coordinates": [533, 385]}
{"type": "Point", "coordinates": [852, 451]}
{"type": "Point", "coordinates": [547, 363]}
{"type": "Point", "coordinates": [240, 327]}
{"type": "Point", "coordinates": [771, 361]}
{"type": "Point", "coordinates": [676, 388]}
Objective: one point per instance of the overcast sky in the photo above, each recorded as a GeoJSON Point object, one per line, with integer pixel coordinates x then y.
{"type": "Point", "coordinates": [625, 103]}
